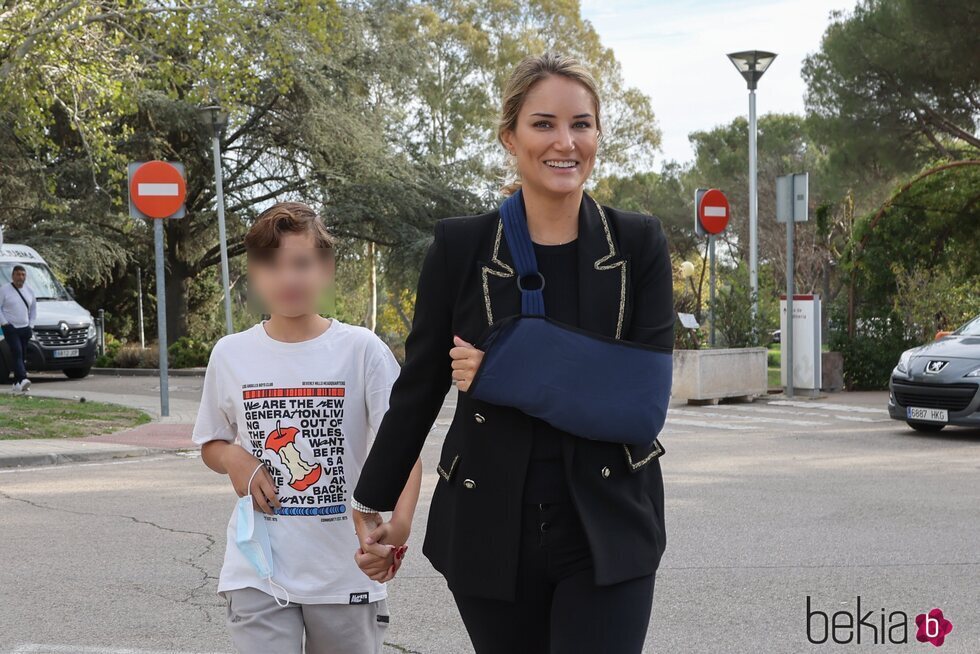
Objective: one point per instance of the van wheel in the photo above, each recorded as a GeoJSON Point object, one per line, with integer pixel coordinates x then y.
{"type": "Point", "coordinates": [926, 426]}
{"type": "Point", "coordinates": [77, 373]}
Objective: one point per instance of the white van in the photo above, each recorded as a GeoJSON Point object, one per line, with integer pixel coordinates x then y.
{"type": "Point", "coordinates": [64, 332]}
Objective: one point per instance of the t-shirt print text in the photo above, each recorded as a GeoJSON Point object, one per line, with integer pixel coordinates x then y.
{"type": "Point", "coordinates": [298, 433]}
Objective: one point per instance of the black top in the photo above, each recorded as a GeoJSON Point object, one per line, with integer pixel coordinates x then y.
{"type": "Point", "coordinates": [545, 481]}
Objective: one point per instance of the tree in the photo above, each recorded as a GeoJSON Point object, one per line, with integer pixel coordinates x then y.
{"type": "Point", "coordinates": [894, 81]}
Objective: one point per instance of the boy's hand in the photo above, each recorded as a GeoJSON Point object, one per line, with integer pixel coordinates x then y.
{"type": "Point", "coordinates": [240, 465]}
{"type": "Point", "coordinates": [381, 569]}
{"type": "Point", "coordinates": [378, 560]}
{"type": "Point", "coordinates": [364, 525]}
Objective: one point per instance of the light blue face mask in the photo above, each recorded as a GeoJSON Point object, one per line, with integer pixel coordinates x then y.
{"type": "Point", "coordinates": [252, 539]}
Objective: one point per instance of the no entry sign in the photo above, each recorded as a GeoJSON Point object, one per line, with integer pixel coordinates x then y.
{"type": "Point", "coordinates": [713, 211]}
{"type": "Point", "coordinates": [157, 189]}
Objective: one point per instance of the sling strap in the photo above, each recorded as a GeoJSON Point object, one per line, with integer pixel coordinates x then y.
{"type": "Point", "coordinates": [522, 251]}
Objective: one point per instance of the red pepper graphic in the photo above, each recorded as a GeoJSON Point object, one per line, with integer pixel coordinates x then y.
{"type": "Point", "coordinates": [282, 441]}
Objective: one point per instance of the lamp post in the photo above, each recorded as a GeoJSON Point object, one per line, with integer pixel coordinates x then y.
{"type": "Point", "coordinates": [217, 118]}
{"type": "Point", "coordinates": [752, 64]}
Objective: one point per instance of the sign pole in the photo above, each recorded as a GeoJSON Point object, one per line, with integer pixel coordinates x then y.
{"type": "Point", "coordinates": [157, 190]}
{"type": "Point", "coordinates": [792, 206]}
{"type": "Point", "coordinates": [790, 283]}
{"type": "Point", "coordinates": [139, 285]}
{"type": "Point", "coordinates": [161, 317]}
{"type": "Point", "coordinates": [711, 215]}
{"type": "Point", "coordinates": [223, 242]}
{"type": "Point", "coordinates": [711, 286]}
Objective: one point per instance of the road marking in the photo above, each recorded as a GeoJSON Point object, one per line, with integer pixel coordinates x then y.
{"type": "Point", "coordinates": [60, 466]}
{"type": "Point", "coordinates": [754, 419]}
{"type": "Point", "coordinates": [701, 423]}
{"type": "Point", "coordinates": [829, 406]}
{"type": "Point", "coordinates": [762, 409]}
{"type": "Point", "coordinates": [38, 648]}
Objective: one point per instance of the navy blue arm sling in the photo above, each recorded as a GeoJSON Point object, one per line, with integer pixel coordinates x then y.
{"type": "Point", "coordinates": [588, 384]}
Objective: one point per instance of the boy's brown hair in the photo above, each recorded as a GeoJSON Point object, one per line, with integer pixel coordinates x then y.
{"type": "Point", "coordinates": [286, 218]}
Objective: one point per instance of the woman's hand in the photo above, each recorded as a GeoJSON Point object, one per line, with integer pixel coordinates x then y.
{"type": "Point", "coordinates": [466, 360]}
{"type": "Point", "coordinates": [379, 557]}
{"type": "Point", "coordinates": [393, 532]}
{"type": "Point", "coordinates": [378, 568]}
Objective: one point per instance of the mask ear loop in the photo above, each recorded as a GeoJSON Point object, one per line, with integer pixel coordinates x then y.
{"type": "Point", "coordinates": [248, 489]}
{"type": "Point", "coordinates": [276, 597]}
{"type": "Point", "coordinates": [271, 583]}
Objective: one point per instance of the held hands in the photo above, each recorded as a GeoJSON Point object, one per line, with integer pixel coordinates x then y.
{"type": "Point", "coordinates": [382, 545]}
{"type": "Point", "coordinates": [466, 360]}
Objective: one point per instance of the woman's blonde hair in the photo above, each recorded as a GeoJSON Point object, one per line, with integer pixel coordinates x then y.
{"type": "Point", "coordinates": [526, 74]}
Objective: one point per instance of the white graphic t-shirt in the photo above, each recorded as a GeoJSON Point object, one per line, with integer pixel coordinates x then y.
{"type": "Point", "coordinates": [310, 411]}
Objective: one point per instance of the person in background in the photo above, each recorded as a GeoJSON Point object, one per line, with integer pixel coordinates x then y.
{"type": "Point", "coordinates": [18, 311]}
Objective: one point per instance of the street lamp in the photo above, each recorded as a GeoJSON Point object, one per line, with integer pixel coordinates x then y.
{"type": "Point", "coordinates": [752, 64]}
{"type": "Point", "coordinates": [217, 119]}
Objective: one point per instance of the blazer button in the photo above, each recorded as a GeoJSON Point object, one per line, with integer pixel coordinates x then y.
{"type": "Point", "coordinates": [605, 471]}
{"type": "Point", "coordinates": [469, 483]}
{"type": "Point", "coordinates": [479, 418]}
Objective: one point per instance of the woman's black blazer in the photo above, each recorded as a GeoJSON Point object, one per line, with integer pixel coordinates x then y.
{"type": "Point", "coordinates": [467, 281]}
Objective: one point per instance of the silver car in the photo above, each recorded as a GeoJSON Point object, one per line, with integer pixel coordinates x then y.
{"type": "Point", "coordinates": [935, 385]}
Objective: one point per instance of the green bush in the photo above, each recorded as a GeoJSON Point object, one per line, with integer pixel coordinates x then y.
{"type": "Point", "coordinates": [187, 352]}
{"type": "Point", "coordinates": [112, 347]}
{"type": "Point", "coordinates": [737, 327]}
{"type": "Point", "coordinates": [871, 355]}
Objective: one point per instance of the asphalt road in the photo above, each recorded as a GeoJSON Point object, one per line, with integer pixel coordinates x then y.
{"type": "Point", "coordinates": [767, 504]}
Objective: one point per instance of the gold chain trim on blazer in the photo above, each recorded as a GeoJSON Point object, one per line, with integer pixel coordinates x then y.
{"type": "Point", "coordinates": [494, 259]}
{"type": "Point", "coordinates": [622, 268]}
{"type": "Point", "coordinates": [657, 451]}
{"type": "Point", "coordinates": [447, 475]}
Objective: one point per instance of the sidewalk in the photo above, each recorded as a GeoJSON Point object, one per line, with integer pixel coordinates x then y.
{"type": "Point", "coordinates": [151, 438]}
{"type": "Point", "coordinates": [182, 411]}
{"type": "Point", "coordinates": [169, 434]}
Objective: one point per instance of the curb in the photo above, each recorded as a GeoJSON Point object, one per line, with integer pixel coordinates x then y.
{"type": "Point", "coordinates": [14, 461]}
{"type": "Point", "coordinates": [148, 372]}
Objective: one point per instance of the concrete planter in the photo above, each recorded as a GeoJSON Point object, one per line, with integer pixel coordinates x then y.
{"type": "Point", "coordinates": [711, 375]}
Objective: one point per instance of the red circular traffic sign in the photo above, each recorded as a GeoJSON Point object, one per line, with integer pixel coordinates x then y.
{"type": "Point", "coordinates": [157, 189]}
{"type": "Point", "coordinates": [714, 211]}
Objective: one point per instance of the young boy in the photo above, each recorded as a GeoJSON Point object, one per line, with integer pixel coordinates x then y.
{"type": "Point", "coordinates": [289, 410]}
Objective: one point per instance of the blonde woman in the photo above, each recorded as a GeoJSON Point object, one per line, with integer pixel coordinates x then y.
{"type": "Point", "coordinates": [548, 542]}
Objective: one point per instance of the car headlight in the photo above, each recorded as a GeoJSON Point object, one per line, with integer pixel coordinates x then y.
{"type": "Point", "coordinates": [903, 362]}
{"type": "Point", "coordinates": [92, 330]}
{"type": "Point", "coordinates": [973, 373]}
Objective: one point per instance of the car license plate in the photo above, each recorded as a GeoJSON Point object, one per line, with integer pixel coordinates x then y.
{"type": "Point", "coordinates": [928, 415]}
{"type": "Point", "coordinates": [65, 354]}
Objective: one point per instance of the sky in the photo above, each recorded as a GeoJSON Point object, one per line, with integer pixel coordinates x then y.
{"type": "Point", "coordinates": [675, 52]}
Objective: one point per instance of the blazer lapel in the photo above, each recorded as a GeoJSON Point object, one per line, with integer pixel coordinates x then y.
{"type": "Point", "coordinates": [501, 297]}
{"type": "Point", "coordinates": [602, 275]}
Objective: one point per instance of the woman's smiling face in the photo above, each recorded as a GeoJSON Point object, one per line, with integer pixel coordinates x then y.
{"type": "Point", "coordinates": [555, 138]}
